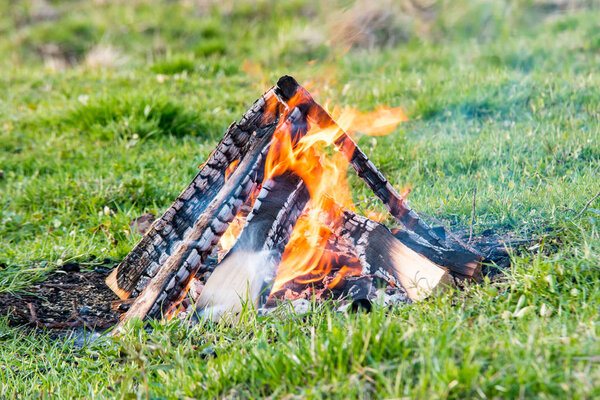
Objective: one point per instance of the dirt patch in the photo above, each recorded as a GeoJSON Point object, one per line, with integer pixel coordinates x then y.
{"type": "Point", "coordinates": [66, 300]}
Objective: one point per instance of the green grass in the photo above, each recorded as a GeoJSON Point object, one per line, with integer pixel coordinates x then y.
{"type": "Point", "coordinates": [501, 97]}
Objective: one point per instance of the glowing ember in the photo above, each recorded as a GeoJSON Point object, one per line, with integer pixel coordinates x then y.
{"type": "Point", "coordinates": [230, 169]}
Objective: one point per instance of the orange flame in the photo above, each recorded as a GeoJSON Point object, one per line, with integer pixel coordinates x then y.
{"type": "Point", "coordinates": [306, 155]}
{"type": "Point", "coordinates": [233, 230]}
{"type": "Point", "coordinates": [303, 146]}
{"type": "Point", "coordinates": [380, 122]}
{"type": "Point", "coordinates": [230, 169]}
{"type": "Point", "coordinates": [343, 272]}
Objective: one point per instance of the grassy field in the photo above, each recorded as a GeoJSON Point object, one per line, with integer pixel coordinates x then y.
{"type": "Point", "coordinates": [107, 108]}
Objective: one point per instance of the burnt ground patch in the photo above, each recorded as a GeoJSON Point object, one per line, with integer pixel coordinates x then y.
{"type": "Point", "coordinates": [76, 299]}
{"type": "Point", "coordinates": [66, 300]}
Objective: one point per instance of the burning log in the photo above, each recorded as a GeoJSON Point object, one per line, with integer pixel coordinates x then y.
{"type": "Point", "coordinates": [461, 263]}
{"type": "Point", "coordinates": [250, 267]}
{"type": "Point", "coordinates": [287, 88]}
{"type": "Point", "coordinates": [169, 285]}
{"type": "Point", "coordinates": [384, 256]}
{"type": "Point", "coordinates": [417, 234]}
{"type": "Point", "coordinates": [167, 232]}
{"type": "Point", "coordinates": [275, 139]}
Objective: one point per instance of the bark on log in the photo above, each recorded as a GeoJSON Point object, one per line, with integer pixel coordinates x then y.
{"type": "Point", "coordinates": [250, 266]}
{"type": "Point", "coordinates": [461, 263]}
{"type": "Point", "coordinates": [177, 243]}
{"type": "Point", "coordinates": [382, 255]}
{"type": "Point", "coordinates": [417, 234]}
{"type": "Point", "coordinates": [166, 289]}
{"type": "Point", "coordinates": [167, 232]}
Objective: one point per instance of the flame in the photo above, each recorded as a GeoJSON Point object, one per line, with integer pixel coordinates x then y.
{"type": "Point", "coordinates": [346, 270]}
{"type": "Point", "coordinates": [303, 143]}
{"type": "Point", "coordinates": [233, 230]}
{"type": "Point", "coordinates": [376, 216]}
{"type": "Point", "coordinates": [303, 146]}
{"type": "Point", "coordinates": [380, 122]}
{"type": "Point", "coordinates": [230, 169]}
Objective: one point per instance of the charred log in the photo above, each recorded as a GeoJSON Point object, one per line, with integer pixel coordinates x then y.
{"type": "Point", "coordinates": [168, 287]}
{"type": "Point", "coordinates": [167, 232]}
{"type": "Point", "coordinates": [248, 270]}
{"type": "Point", "coordinates": [288, 89]}
{"type": "Point", "coordinates": [178, 245]}
{"type": "Point", "coordinates": [417, 234]}
{"type": "Point", "coordinates": [384, 256]}
{"type": "Point", "coordinates": [461, 263]}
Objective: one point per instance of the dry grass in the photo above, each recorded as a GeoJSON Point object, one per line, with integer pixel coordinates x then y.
{"type": "Point", "coordinates": [104, 57]}
{"type": "Point", "coordinates": [371, 24]}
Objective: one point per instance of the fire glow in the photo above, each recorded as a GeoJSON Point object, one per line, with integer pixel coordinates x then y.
{"type": "Point", "coordinates": [289, 190]}
{"type": "Point", "coordinates": [302, 148]}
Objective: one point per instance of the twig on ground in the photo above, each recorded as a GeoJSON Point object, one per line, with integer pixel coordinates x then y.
{"type": "Point", "coordinates": [62, 286]}
{"type": "Point", "coordinates": [76, 314]}
{"type": "Point", "coordinates": [472, 215]}
{"type": "Point", "coordinates": [75, 320]}
{"type": "Point", "coordinates": [579, 214]}
{"type": "Point", "coordinates": [584, 209]}
{"type": "Point", "coordinates": [33, 319]}
{"type": "Point", "coordinates": [70, 323]}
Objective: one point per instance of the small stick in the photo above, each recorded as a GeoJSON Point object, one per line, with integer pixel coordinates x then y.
{"type": "Point", "coordinates": [34, 319]}
{"type": "Point", "coordinates": [472, 215]}
{"type": "Point", "coordinates": [76, 314]}
{"type": "Point", "coordinates": [74, 320]}
{"type": "Point", "coordinates": [70, 323]}
{"type": "Point", "coordinates": [587, 205]}
{"type": "Point", "coordinates": [579, 214]}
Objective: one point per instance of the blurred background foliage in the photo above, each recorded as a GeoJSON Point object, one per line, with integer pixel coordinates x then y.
{"type": "Point", "coordinates": [188, 35]}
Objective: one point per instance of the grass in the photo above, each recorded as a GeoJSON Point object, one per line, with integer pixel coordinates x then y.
{"type": "Point", "coordinates": [501, 97]}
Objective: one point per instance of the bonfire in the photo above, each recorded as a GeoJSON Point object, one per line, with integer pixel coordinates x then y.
{"type": "Point", "coordinates": [269, 218]}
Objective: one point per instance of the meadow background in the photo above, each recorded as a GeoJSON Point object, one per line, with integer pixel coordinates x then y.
{"type": "Point", "coordinates": [107, 108]}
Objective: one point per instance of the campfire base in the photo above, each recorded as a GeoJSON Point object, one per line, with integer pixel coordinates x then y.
{"type": "Point", "coordinates": [254, 160]}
